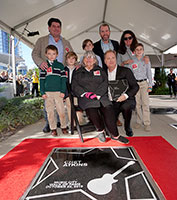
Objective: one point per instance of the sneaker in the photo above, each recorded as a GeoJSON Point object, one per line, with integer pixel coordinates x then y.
{"type": "Point", "coordinates": [64, 130]}
{"type": "Point", "coordinates": [121, 139]}
{"type": "Point", "coordinates": [102, 137]}
{"type": "Point", "coordinates": [137, 126]}
{"type": "Point", "coordinates": [129, 132]}
{"type": "Point", "coordinates": [147, 128]}
{"type": "Point", "coordinates": [54, 132]}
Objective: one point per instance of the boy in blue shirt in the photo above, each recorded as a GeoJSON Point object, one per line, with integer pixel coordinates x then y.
{"type": "Point", "coordinates": [143, 75]}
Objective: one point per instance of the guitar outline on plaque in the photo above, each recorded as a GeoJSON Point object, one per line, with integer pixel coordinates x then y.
{"type": "Point", "coordinates": [103, 185]}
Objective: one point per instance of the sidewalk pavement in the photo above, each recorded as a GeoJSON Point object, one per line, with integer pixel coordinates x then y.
{"type": "Point", "coordinates": [160, 127]}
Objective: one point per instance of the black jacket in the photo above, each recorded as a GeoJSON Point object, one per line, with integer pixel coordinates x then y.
{"type": "Point", "coordinates": [68, 84]}
{"type": "Point", "coordinates": [90, 81]}
{"type": "Point", "coordinates": [171, 79]}
{"type": "Point", "coordinates": [98, 51]}
{"type": "Point", "coordinates": [126, 73]}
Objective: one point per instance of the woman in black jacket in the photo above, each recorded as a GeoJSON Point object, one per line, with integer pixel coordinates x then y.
{"type": "Point", "coordinates": [90, 85]}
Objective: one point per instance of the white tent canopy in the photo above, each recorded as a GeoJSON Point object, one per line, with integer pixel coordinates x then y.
{"type": "Point", "coordinates": [153, 22]}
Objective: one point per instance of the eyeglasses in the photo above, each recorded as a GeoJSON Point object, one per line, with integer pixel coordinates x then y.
{"type": "Point", "coordinates": [128, 38]}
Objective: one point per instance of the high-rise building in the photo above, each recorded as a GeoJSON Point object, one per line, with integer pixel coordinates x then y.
{"type": "Point", "coordinates": [5, 44]}
{"type": "Point", "coordinates": [5, 52]}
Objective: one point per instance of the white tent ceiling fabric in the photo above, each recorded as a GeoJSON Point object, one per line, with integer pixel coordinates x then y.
{"type": "Point", "coordinates": [153, 22]}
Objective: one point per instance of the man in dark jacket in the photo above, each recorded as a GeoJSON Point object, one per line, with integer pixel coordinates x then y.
{"type": "Point", "coordinates": [171, 83]}
{"type": "Point", "coordinates": [126, 102]}
{"type": "Point", "coordinates": [105, 44]}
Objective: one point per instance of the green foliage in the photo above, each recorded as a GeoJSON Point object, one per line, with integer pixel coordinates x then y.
{"type": "Point", "coordinates": [3, 102]}
{"type": "Point", "coordinates": [161, 76]}
{"type": "Point", "coordinates": [1, 89]}
{"type": "Point", "coordinates": [160, 91]}
{"type": "Point", "coordinates": [19, 112]}
{"type": "Point", "coordinates": [37, 71]}
{"type": "Point", "coordinates": [16, 101]}
{"type": "Point", "coordinates": [29, 73]}
{"type": "Point", "coordinates": [161, 79]}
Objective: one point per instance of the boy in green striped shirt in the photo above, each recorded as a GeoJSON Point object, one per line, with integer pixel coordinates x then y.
{"type": "Point", "coordinates": [52, 88]}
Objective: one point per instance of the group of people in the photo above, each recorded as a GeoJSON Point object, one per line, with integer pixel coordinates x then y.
{"type": "Point", "coordinates": [103, 62]}
{"type": "Point", "coordinates": [24, 84]}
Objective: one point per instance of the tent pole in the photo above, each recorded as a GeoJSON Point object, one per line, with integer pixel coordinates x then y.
{"type": "Point", "coordinates": [13, 64]}
{"type": "Point", "coordinates": [162, 59]}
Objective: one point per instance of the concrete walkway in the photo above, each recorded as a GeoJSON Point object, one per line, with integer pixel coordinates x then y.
{"type": "Point", "coordinates": [160, 127]}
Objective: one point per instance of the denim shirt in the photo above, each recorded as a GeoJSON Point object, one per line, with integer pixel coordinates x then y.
{"type": "Point", "coordinates": [59, 46]}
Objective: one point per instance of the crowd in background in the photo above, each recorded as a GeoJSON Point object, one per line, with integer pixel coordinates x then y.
{"type": "Point", "coordinates": [25, 85]}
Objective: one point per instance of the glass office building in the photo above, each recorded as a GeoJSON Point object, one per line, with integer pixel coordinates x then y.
{"type": "Point", "coordinates": [5, 50]}
{"type": "Point", "coordinates": [5, 44]}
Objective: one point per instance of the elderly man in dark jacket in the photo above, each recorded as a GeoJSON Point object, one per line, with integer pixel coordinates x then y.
{"type": "Point", "coordinates": [126, 102]}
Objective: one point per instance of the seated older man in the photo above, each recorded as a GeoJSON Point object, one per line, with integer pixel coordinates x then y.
{"type": "Point", "coordinates": [126, 102]}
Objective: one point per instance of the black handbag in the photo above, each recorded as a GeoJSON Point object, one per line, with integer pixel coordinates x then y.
{"type": "Point", "coordinates": [117, 88]}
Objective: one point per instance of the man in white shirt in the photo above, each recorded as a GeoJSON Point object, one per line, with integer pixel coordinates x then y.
{"type": "Point", "coordinates": [126, 102]}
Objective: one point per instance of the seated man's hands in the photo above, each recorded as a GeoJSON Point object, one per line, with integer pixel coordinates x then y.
{"type": "Point", "coordinates": [90, 95]}
{"type": "Point", "coordinates": [121, 98]}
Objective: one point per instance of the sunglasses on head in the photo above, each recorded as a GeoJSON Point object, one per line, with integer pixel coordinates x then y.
{"type": "Point", "coordinates": [128, 38]}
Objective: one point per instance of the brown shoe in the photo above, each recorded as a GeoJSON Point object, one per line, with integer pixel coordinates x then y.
{"type": "Point", "coordinates": [64, 130]}
{"type": "Point", "coordinates": [119, 123]}
{"type": "Point", "coordinates": [147, 128]}
{"type": "Point", "coordinates": [54, 132]}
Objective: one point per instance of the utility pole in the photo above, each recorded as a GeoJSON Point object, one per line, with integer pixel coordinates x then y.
{"type": "Point", "coordinates": [13, 64]}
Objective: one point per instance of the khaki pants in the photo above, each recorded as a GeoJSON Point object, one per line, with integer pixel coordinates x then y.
{"type": "Point", "coordinates": [68, 106]}
{"type": "Point", "coordinates": [142, 104]}
{"type": "Point", "coordinates": [53, 101]}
